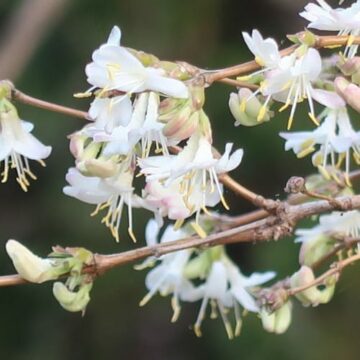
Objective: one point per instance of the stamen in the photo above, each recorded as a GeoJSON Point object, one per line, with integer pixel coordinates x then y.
{"type": "Point", "coordinates": [226, 321]}
{"type": "Point", "coordinates": [178, 224]}
{"type": "Point", "coordinates": [199, 230]}
{"type": "Point", "coordinates": [176, 308]}
{"type": "Point", "coordinates": [314, 119]}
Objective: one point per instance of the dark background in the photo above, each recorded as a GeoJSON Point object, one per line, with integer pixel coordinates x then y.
{"type": "Point", "coordinates": [206, 33]}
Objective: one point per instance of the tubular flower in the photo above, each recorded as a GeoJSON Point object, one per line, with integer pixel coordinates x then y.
{"type": "Point", "coordinates": [345, 21]}
{"type": "Point", "coordinates": [225, 287]}
{"type": "Point", "coordinates": [168, 276]}
{"type": "Point", "coordinates": [335, 136]}
{"type": "Point", "coordinates": [18, 145]}
{"type": "Point", "coordinates": [194, 171]}
{"type": "Point", "coordinates": [109, 193]}
{"type": "Point", "coordinates": [115, 68]}
{"type": "Point", "coordinates": [289, 79]}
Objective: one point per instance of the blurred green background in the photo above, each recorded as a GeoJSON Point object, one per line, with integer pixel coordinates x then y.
{"type": "Point", "coordinates": [206, 33]}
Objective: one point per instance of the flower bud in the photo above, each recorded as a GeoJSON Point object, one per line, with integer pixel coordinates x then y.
{"type": "Point", "coordinates": [205, 125]}
{"type": "Point", "coordinates": [98, 167]}
{"type": "Point", "coordinates": [72, 301]}
{"type": "Point", "coordinates": [247, 109]}
{"type": "Point", "coordinates": [145, 58]}
{"type": "Point", "coordinates": [277, 321]}
{"type": "Point", "coordinates": [77, 144]}
{"type": "Point", "coordinates": [30, 266]}
{"type": "Point", "coordinates": [311, 296]}
{"type": "Point", "coordinates": [183, 126]}
{"type": "Point", "coordinates": [315, 248]}
{"type": "Point", "coordinates": [199, 266]}
{"type": "Point", "coordinates": [6, 88]}
{"type": "Point", "coordinates": [350, 92]}
{"type": "Point", "coordinates": [351, 67]}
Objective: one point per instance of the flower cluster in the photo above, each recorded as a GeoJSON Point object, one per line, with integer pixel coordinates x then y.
{"type": "Point", "coordinates": [138, 110]}
{"type": "Point", "coordinates": [219, 281]}
{"type": "Point", "coordinates": [148, 144]}
{"type": "Point", "coordinates": [17, 144]}
{"type": "Point", "coordinates": [332, 143]}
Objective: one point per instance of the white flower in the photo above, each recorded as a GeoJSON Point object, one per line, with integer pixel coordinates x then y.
{"type": "Point", "coordinates": [348, 139]}
{"type": "Point", "coordinates": [266, 51]}
{"type": "Point", "coordinates": [341, 223]}
{"type": "Point", "coordinates": [304, 142]}
{"type": "Point", "coordinates": [168, 277]}
{"type": "Point", "coordinates": [289, 79]}
{"type": "Point", "coordinates": [194, 170]}
{"type": "Point", "coordinates": [226, 288]}
{"type": "Point", "coordinates": [292, 82]}
{"type": "Point", "coordinates": [17, 146]}
{"type": "Point", "coordinates": [347, 223]}
{"type": "Point", "coordinates": [111, 193]}
{"type": "Point", "coordinates": [28, 265]}
{"type": "Point", "coordinates": [334, 136]}
{"type": "Point", "coordinates": [345, 21]}
{"type": "Point", "coordinates": [115, 68]}
{"type": "Point", "coordinates": [109, 113]}
{"type": "Point", "coordinates": [143, 127]}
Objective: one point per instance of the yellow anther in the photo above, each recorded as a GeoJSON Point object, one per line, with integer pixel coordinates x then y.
{"type": "Point", "coordinates": [259, 61]}
{"type": "Point", "coordinates": [132, 235]}
{"type": "Point", "coordinates": [82, 95]}
{"type": "Point", "coordinates": [243, 105]}
{"type": "Point", "coordinates": [305, 152]}
{"type": "Point", "coordinates": [176, 308]}
{"type": "Point", "coordinates": [145, 299]}
{"type": "Point", "coordinates": [290, 122]}
{"type": "Point", "coordinates": [341, 159]}
{"type": "Point", "coordinates": [324, 172]}
{"type": "Point", "coordinates": [244, 78]}
{"type": "Point", "coordinates": [223, 201]}
{"type": "Point", "coordinates": [284, 107]}
{"type": "Point", "coordinates": [351, 40]}
{"type": "Point", "coordinates": [22, 184]}
{"type": "Point", "coordinates": [199, 230]}
{"type": "Point", "coordinates": [314, 119]}
{"type": "Point", "coordinates": [262, 113]}
{"type": "Point", "coordinates": [197, 330]}
{"type": "Point", "coordinates": [42, 163]}
{"type": "Point", "coordinates": [205, 210]}
{"type": "Point", "coordinates": [178, 224]}
{"type": "Point", "coordinates": [31, 174]}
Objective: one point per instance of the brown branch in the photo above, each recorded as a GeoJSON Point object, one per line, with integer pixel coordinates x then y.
{"type": "Point", "coordinates": [29, 100]}
{"type": "Point", "coordinates": [273, 227]}
{"type": "Point", "coordinates": [336, 269]}
{"type": "Point", "coordinates": [251, 66]}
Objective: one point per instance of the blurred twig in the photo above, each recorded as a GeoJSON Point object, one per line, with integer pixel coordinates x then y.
{"type": "Point", "coordinates": [24, 32]}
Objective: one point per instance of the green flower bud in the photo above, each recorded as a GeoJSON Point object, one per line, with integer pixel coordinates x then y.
{"type": "Point", "coordinates": [277, 321]}
{"type": "Point", "coordinates": [198, 267]}
{"type": "Point", "coordinates": [311, 296]}
{"type": "Point", "coordinates": [98, 167]}
{"type": "Point", "coordinates": [30, 266]}
{"type": "Point", "coordinates": [183, 126]}
{"type": "Point", "coordinates": [72, 301]}
{"type": "Point", "coordinates": [247, 109]}
{"type": "Point", "coordinates": [349, 91]}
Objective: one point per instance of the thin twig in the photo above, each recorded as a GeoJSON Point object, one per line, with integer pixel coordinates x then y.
{"type": "Point", "coordinates": [273, 227]}
{"type": "Point", "coordinates": [30, 100]}
{"type": "Point", "coordinates": [336, 269]}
